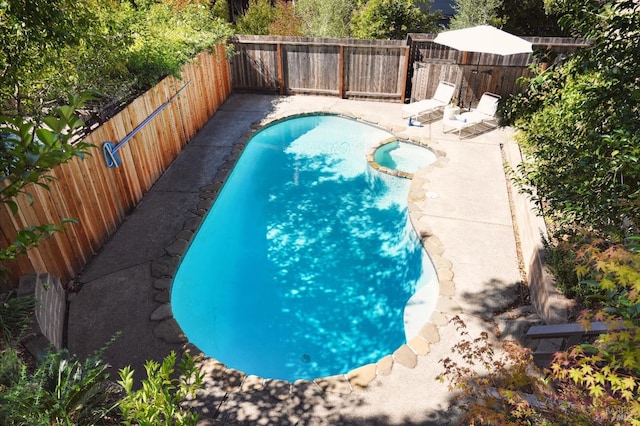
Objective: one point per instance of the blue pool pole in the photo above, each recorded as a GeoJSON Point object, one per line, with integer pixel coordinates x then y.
{"type": "Point", "coordinates": [109, 150]}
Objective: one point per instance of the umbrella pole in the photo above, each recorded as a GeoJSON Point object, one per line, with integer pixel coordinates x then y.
{"type": "Point", "coordinates": [476, 71]}
{"type": "Point", "coordinates": [461, 86]}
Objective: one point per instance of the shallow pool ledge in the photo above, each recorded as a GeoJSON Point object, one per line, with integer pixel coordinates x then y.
{"type": "Point", "coordinates": [414, 312]}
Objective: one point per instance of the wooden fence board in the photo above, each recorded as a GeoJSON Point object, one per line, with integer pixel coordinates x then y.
{"type": "Point", "coordinates": [107, 183]}
{"type": "Point", "coordinates": [85, 174]}
{"type": "Point", "coordinates": [8, 234]}
{"type": "Point", "coordinates": [168, 144]}
{"type": "Point", "coordinates": [75, 208]}
{"type": "Point", "coordinates": [58, 207]}
{"type": "Point", "coordinates": [310, 68]}
{"type": "Point", "coordinates": [505, 69]}
{"type": "Point", "coordinates": [99, 197]}
{"type": "Point", "coordinates": [26, 217]}
{"type": "Point", "coordinates": [192, 99]}
{"type": "Point", "coordinates": [254, 66]}
{"type": "Point", "coordinates": [340, 67]}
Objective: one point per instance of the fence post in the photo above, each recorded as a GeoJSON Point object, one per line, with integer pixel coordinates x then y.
{"type": "Point", "coordinates": [341, 73]}
{"type": "Point", "coordinates": [405, 74]}
{"type": "Point", "coordinates": [280, 68]}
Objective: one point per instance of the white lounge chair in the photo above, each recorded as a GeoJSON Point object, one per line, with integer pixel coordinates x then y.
{"type": "Point", "coordinates": [422, 111]}
{"type": "Point", "coordinates": [479, 120]}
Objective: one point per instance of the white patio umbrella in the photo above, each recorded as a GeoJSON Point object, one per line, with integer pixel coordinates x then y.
{"type": "Point", "coordinates": [483, 39]}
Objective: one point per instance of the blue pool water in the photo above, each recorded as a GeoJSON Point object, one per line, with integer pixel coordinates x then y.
{"type": "Point", "coordinates": [303, 266]}
{"type": "Point", "coordinates": [403, 156]}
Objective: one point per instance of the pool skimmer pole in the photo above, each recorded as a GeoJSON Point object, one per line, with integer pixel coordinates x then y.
{"type": "Point", "coordinates": [110, 151]}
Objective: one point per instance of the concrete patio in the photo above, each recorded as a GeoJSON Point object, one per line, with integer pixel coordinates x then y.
{"type": "Point", "coordinates": [465, 222]}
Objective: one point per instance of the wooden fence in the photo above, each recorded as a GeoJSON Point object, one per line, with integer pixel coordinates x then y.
{"type": "Point", "coordinates": [475, 73]}
{"type": "Point", "coordinates": [100, 197]}
{"type": "Point", "coordinates": [367, 69]}
{"type": "Point", "coordinates": [379, 69]}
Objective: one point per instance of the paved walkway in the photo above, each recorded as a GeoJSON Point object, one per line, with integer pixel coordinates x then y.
{"type": "Point", "coordinates": [460, 206]}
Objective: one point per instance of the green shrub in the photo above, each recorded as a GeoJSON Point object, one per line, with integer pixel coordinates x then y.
{"type": "Point", "coordinates": [507, 388]}
{"type": "Point", "coordinates": [560, 259]}
{"type": "Point", "coordinates": [15, 313]}
{"type": "Point", "coordinates": [61, 390]}
{"type": "Point", "coordinates": [11, 365]}
{"type": "Point", "coordinates": [166, 36]}
{"type": "Point", "coordinates": [157, 402]}
{"type": "Point", "coordinates": [257, 18]}
{"type": "Point", "coordinates": [578, 124]}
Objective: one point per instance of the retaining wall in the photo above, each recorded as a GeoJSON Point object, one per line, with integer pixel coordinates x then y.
{"type": "Point", "coordinates": [551, 305]}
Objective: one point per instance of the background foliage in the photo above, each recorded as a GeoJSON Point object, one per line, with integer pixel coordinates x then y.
{"type": "Point", "coordinates": [371, 19]}
{"type": "Point", "coordinates": [52, 48]}
{"type": "Point", "coordinates": [580, 125]}
{"type": "Point", "coordinates": [528, 18]}
{"type": "Point", "coordinates": [257, 18]}
{"type": "Point", "coordinates": [469, 13]}
{"type": "Point", "coordinates": [391, 19]}
{"type": "Point", "coordinates": [329, 18]}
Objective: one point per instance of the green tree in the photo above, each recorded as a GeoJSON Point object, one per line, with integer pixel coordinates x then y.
{"type": "Point", "coordinates": [257, 18]}
{"type": "Point", "coordinates": [220, 10]}
{"type": "Point", "coordinates": [469, 13]}
{"type": "Point", "coordinates": [286, 21]}
{"type": "Point", "coordinates": [580, 125]}
{"type": "Point", "coordinates": [330, 18]}
{"type": "Point", "coordinates": [528, 18]}
{"type": "Point", "coordinates": [34, 34]}
{"type": "Point", "coordinates": [67, 46]}
{"type": "Point", "coordinates": [391, 19]}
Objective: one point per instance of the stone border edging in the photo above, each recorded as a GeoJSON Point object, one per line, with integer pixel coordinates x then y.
{"type": "Point", "coordinates": [231, 380]}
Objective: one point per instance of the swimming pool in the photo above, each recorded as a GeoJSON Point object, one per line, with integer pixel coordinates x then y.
{"type": "Point", "coordinates": [305, 263]}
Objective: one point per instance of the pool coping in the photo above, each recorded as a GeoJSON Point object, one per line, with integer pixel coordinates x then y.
{"type": "Point", "coordinates": [163, 271]}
